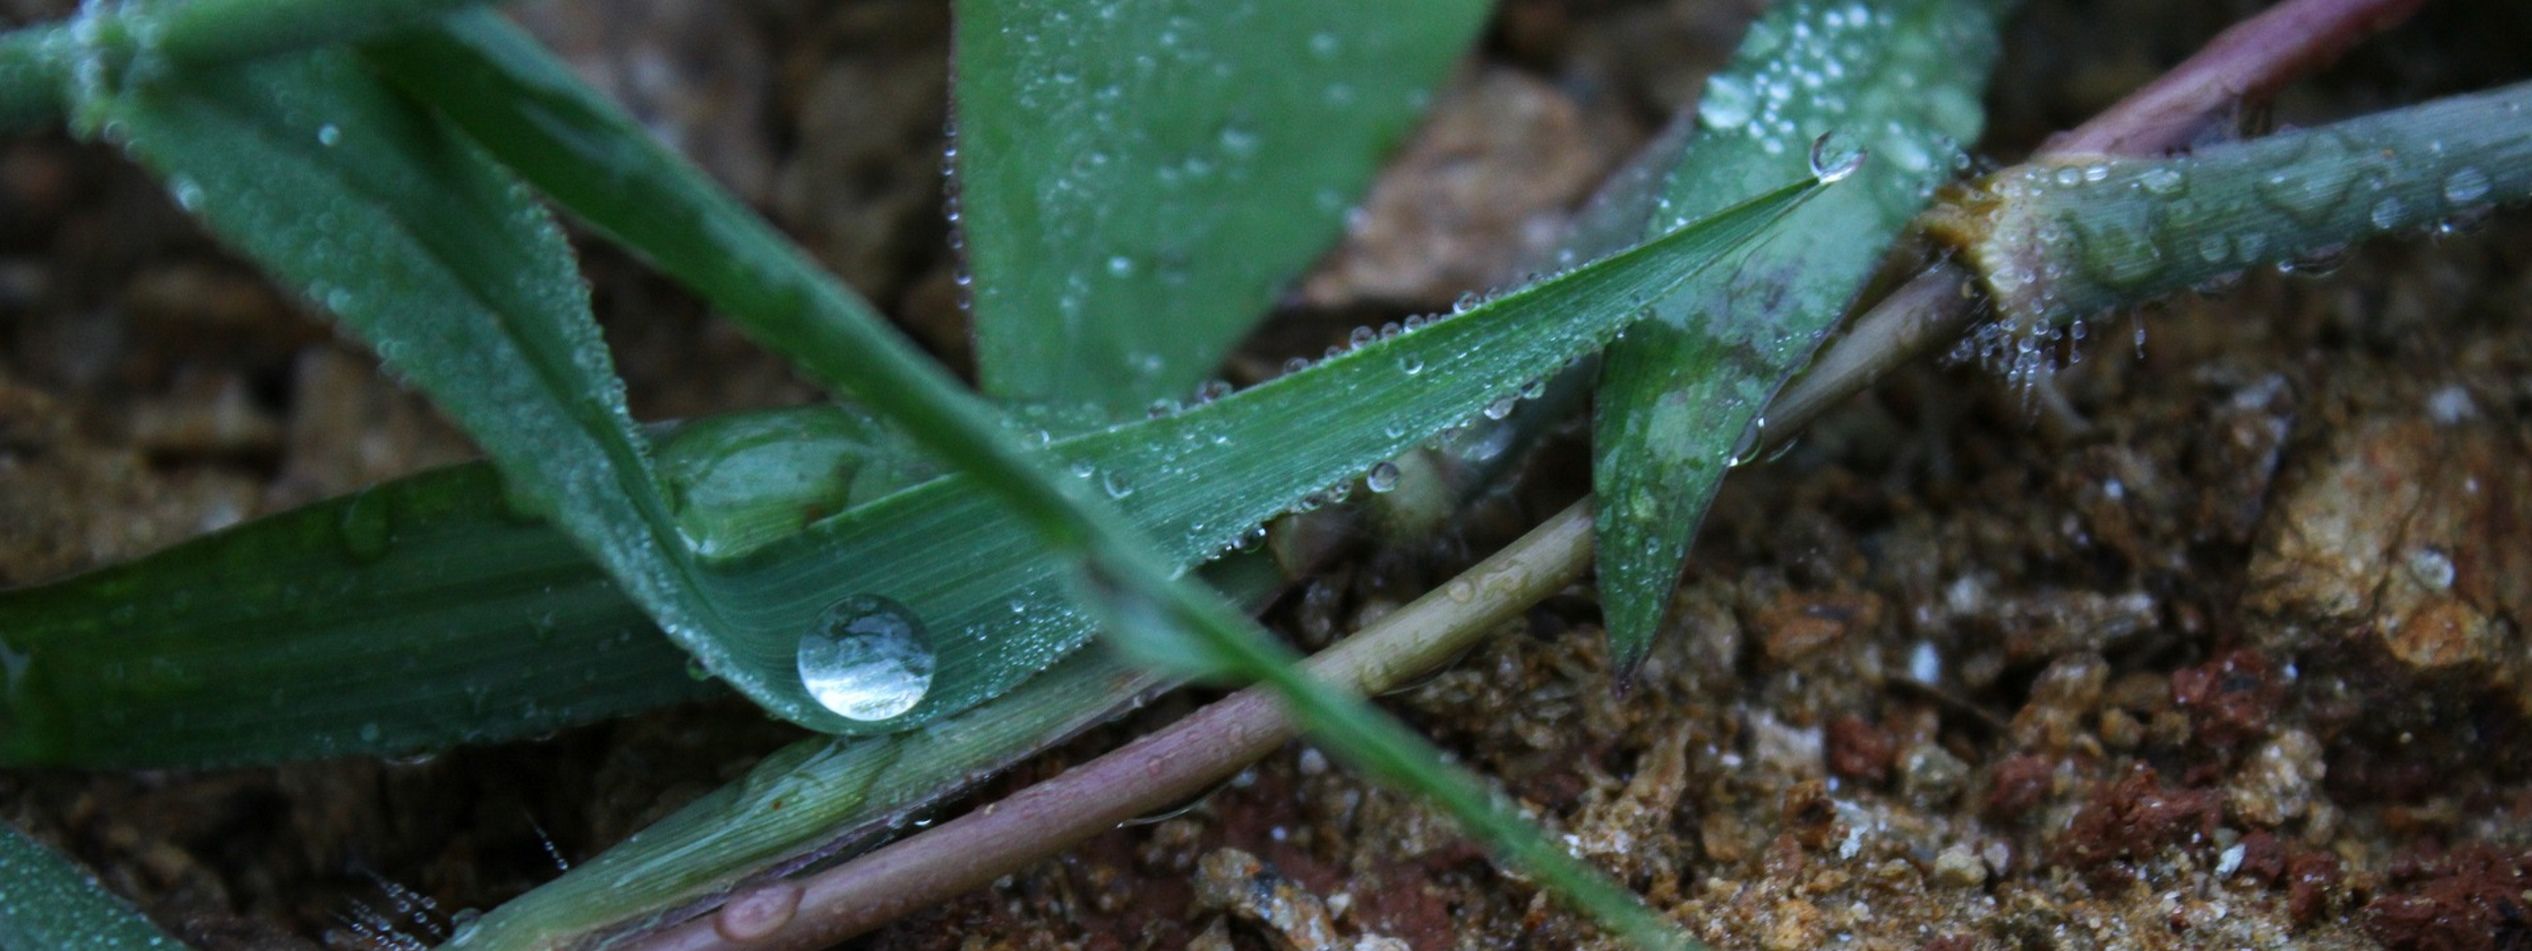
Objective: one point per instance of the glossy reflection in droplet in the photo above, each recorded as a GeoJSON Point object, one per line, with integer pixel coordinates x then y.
{"type": "Point", "coordinates": [1834, 157]}
{"type": "Point", "coordinates": [867, 658]}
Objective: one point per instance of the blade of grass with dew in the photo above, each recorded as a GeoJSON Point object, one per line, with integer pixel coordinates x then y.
{"type": "Point", "coordinates": [1198, 480]}
{"type": "Point", "coordinates": [2067, 237]}
{"type": "Point", "coordinates": [934, 412]}
{"type": "Point", "coordinates": [1679, 397]}
{"type": "Point", "coordinates": [459, 617]}
{"type": "Point", "coordinates": [47, 66]}
{"type": "Point", "coordinates": [47, 901]}
{"type": "Point", "coordinates": [1207, 635]}
{"type": "Point", "coordinates": [1118, 555]}
{"type": "Point", "coordinates": [828, 798]}
{"type": "Point", "coordinates": [443, 264]}
{"type": "Point", "coordinates": [814, 800]}
{"type": "Point", "coordinates": [1135, 181]}
{"type": "Point", "coordinates": [991, 600]}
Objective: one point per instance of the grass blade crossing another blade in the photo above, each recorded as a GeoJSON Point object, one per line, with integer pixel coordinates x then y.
{"type": "Point", "coordinates": [1681, 397]}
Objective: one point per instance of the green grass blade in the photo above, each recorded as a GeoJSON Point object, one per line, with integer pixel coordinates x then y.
{"type": "Point", "coordinates": [1679, 397]}
{"type": "Point", "coordinates": [1370, 740]}
{"type": "Point", "coordinates": [449, 269]}
{"type": "Point", "coordinates": [988, 587]}
{"type": "Point", "coordinates": [414, 615]}
{"type": "Point", "coordinates": [457, 618]}
{"type": "Point", "coordinates": [2066, 237]}
{"type": "Point", "coordinates": [819, 798]}
{"type": "Point", "coordinates": [993, 597]}
{"type": "Point", "coordinates": [47, 902]}
{"type": "Point", "coordinates": [46, 67]}
{"type": "Point", "coordinates": [1135, 181]}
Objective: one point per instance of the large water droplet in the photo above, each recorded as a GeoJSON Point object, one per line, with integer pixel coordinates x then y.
{"type": "Point", "coordinates": [1834, 157]}
{"type": "Point", "coordinates": [1382, 477]}
{"type": "Point", "coordinates": [2164, 181]}
{"type": "Point", "coordinates": [866, 658]}
{"type": "Point", "coordinates": [2465, 185]}
{"type": "Point", "coordinates": [2387, 212]}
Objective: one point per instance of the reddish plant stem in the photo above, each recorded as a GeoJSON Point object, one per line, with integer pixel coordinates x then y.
{"type": "Point", "coordinates": [2252, 60]}
{"type": "Point", "coordinates": [1167, 766]}
{"type": "Point", "coordinates": [2249, 62]}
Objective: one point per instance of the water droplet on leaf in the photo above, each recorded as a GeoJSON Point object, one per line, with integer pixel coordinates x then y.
{"type": "Point", "coordinates": [1382, 478]}
{"type": "Point", "coordinates": [2465, 185]}
{"type": "Point", "coordinates": [866, 658]}
{"type": "Point", "coordinates": [1834, 157]}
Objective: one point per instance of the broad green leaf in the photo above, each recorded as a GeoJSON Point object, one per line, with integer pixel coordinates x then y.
{"type": "Point", "coordinates": [1136, 180]}
{"type": "Point", "coordinates": [417, 614]}
{"type": "Point", "coordinates": [1680, 397]}
{"type": "Point", "coordinates": [47, 902]}
{"type": "Point", "coordinates": [985, 588]}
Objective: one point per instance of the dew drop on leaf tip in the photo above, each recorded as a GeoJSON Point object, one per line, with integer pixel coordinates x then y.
{"type": "Point", "coordinates": [1834, 158]}
{"type": "Point", "coordinates": [866, 657]}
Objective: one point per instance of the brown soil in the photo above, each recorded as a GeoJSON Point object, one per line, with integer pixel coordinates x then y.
{"type": "Point", "coordinates": [2225, 649]}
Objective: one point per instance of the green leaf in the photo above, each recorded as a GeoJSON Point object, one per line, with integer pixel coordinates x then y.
{"type": "Point", "coordinates": [986, 587]}
{"type": "Point", "coordinates": [1136, 180]}
{"type": "Point", "coordinates": [47, 902]}
{"type": "Point", "coordinates": [414, 615]}
{"type": "Point", "coordinates": [1679, 397]}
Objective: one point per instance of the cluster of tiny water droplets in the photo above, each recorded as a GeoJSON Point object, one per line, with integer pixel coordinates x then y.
{"type": "Point", "coordinates": [408, 921]}
{"type": "Point", "coordinates": [1803, 63]}
{"type": "Point", "coordinates": [2077, 237]}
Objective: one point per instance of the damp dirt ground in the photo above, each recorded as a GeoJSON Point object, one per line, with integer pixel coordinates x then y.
{"type": "Point", "coordinates": [2218, 643]}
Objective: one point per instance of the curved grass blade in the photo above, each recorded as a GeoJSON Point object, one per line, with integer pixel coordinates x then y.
{"type": "Point", "coordinates": [1135, 180]}
{"type": "Point", "coordinates": [1230, 643]}
{"type": "Point", "coordinates": [414, 615]}
{"type": "Point", "coordinates": [456, 276]}
{"type": "Point", "coordinates": [987, 586]}
{"type": "Point", "coordinates": [46, 902]}
{"type": "Point", "coordinates": [1679, 397]}
{"type": "Point", "coordinates": [812, 801]}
